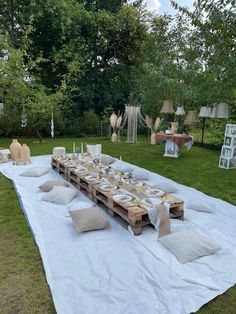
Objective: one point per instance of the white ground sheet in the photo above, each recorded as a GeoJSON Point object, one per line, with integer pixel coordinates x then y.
{"type": "Point", "coordinates": [111, 271]}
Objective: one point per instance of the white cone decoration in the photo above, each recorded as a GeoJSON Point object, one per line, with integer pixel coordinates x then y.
{"type": "Point", "coordinates": [153, 138]}
{"type": "Point", "coordinates": [113, 120]}
{"type": "Point", "coordinates": [115, 123]}
{"type": "Point", "coordinates": [114, 137]}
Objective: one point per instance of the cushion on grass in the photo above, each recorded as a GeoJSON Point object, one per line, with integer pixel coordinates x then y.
{"type": "Point", "coordinates": [107, 160]}
{"type": "Point", "coordinates": [60, 195]}
{"type": "Point", "coordinates": [34, 172]}
{"type": "Point", "coordinates": [88, 219]}
{"type": "Point", "coordinates": [201, 206]}
{"type": "Point", "coordinates": [188, 245]}
{"type": "Point", "coordinates": [49, 185]}
{"type": "Point", "coordinates": [166, 187]}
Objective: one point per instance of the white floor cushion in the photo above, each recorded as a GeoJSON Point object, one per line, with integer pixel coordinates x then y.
{"type": "Point", "coordinates": [60, 195]}
{"type": "Point", "coordinates": [166, 187]}
{"type": "Point", "coordinates": [34, 172]}
{"type": "Point", "coordinates": [140, 175]}
{"type": "Point", "coordinates": [188, 245]}
{"type": "Point", "coordinates": [201, 206]}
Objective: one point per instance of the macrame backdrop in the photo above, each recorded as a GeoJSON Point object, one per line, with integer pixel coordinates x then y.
{"type": "Point", "coordinates": [132, 116]}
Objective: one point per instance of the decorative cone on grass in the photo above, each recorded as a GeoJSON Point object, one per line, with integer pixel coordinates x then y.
{"type": "Point", "coordinates": [115, 123]}
{"type": "Point", "coordinates": [153, 127]}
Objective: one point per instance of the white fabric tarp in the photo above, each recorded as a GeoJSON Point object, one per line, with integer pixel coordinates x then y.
{"type": "Point", "coordinates": [112, 271]}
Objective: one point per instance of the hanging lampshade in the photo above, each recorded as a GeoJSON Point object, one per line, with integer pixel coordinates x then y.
{"type": "Point", "coordinates": [1, 108]}
{"type": "Point", "coordinates": [205, 112]}
{"type": "Point", "coordinates": [192, 117]}
{"type": "Point", "coordinates": [167, 107]}
{"type": "Point", "coordinates": [220, 111]}
{"type": "Point", "coordinates": [180, 111]}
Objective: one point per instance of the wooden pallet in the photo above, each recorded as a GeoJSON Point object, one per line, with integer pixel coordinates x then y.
{"type": "Point", "coordinates": [135, 216]}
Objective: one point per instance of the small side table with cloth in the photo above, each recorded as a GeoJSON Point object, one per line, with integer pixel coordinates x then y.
{"type": "Point", "coordinates": [174, 142]}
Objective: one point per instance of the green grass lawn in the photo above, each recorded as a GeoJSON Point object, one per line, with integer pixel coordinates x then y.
{"type": "Point", "coordinates": [23, 288]}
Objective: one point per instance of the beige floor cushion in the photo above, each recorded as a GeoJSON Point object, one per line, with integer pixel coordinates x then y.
{"type": "Point", "coordinates": [60, 195]}
{"type": "Point", "coordinates": [34, 172]}
{"type": "Point", "coordinates": [88, 219]}
{"type": "Point", "coordinates": [49, 185]}
{"type": "Point", "coordinates": [188, 245]}
{"type": "Point", "coordinates": [107, 160]}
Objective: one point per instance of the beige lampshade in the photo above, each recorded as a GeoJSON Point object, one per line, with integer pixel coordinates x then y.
{"type": "Point", "coordinates": [213, 112]}
{"type": "Point", "coordinates": [192, 117]}
{"type": "Point", "coordinates": [205, 112]}
{"type": "Point", "coordinates": [220, 111]}
{"type": "Point", "coordinates": [180, 111]}
{"type": "Point", "coordinates": [167, 107]}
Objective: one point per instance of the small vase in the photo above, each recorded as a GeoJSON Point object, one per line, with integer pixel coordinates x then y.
{"type": "Point", "coordinates": [15, 149]}
{"type": "Point", "coordinates": [174, 127]}
{"type": "Point", "coordinates": [25, 153]}
{"type": "Point", "coordinates": [153, 138]}
{"type": "Point", "coordinates": [114, 137]}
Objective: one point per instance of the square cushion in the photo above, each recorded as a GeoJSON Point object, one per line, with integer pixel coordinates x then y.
{"type": "Point", "coordinates": [107, 160]}
{"type": "Point", "coordinates": [49, 185]}
{"type": "Point", "coordinates": [60, 195]}
{"type": "Point", "coordinates": [166, 187]}
{"type": "Point", "coordinates": [34, 172]}
{"type": "Point", "coordinates": [188, 245]}
{"type": "Point", "coordinates": [140, 175]}
{"type": "Point", "coordinates": [88, 219]}
{"type": "Point", "coordinates": [201, 206]}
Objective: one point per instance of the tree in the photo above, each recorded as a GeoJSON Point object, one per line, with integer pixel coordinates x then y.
{"type": "Point", "coordinates": [20, 93]}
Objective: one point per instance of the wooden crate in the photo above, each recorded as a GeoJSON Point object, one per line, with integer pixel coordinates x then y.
{"type": "Point", "coordinates": [135, 216]}
{"type": "Point", "coordinates": [78, 180]}
{"type": "Point", "coordinates": [176, 206]}
{"type": "Point", "coordinates": [55, 164]}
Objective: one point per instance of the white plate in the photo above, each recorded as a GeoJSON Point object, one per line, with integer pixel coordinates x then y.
{"type": "Point", "coordinates": [81, 168]}
{"type": "Point", "coordinates": [151, 201]}
{"type": "Point", "coordinates": [123, 198]}
{"type": "Point", "coordinates": [108, 187]}
{"type": "Point", "coordinates": [154, 192]}
{"type": "Point", "coordinates": [92, 177]}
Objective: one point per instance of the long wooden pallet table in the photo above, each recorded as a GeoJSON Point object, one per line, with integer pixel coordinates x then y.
{"type": "Point", "coordinates": [133, 214]}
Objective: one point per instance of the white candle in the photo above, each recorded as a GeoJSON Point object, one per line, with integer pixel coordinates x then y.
{"type": "Point", "coordinates": [82, 148]}
{"type": "Point", "coordinates": [100, 159]}
{"type": "Point", "coordinates": [120, 158]}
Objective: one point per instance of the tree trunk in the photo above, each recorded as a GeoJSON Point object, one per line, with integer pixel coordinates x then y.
{"type": "Point", "coordinates": [38, 135]}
